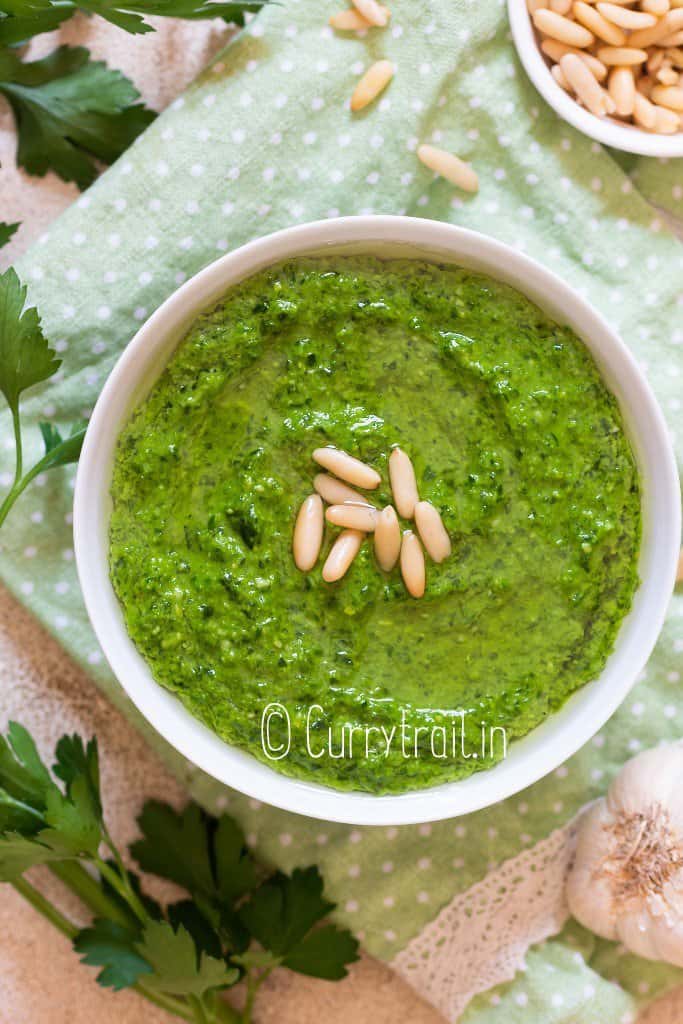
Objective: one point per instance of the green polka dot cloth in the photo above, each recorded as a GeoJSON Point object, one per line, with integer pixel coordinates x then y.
{"type": "Point", "coordinates": [265, 139]}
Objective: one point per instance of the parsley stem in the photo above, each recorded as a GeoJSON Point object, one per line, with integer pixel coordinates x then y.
{"type": "Point", "coordinates": [89, 890]}
{"type": "Point", "coordinates": [44, 907]}
{"type": "Point", "coordinates": [19, 464]}
{"type": "Point", "coordinates": [121, 884]}
{"type": "Point", "coordinates": [199, 1009]}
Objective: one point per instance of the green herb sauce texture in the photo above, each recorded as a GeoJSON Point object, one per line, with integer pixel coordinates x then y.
{"type": "Point", "coordinates": [514, 438]}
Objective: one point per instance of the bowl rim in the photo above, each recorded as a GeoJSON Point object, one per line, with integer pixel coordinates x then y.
{"type": "Point", "coordinates": [627, 138]}
{"type": "Point", "coordinates": [545, 747]}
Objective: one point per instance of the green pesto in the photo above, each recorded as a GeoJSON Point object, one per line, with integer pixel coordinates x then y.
{"type": "Point", "coordinates": [514, 438]}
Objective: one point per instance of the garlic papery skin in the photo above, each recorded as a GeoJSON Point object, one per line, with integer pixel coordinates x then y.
{"type": "Point", "coordinates": [626, 879]}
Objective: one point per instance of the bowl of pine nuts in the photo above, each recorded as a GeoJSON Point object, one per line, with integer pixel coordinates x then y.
{"type": "Point", "coordinates": [613, 69]}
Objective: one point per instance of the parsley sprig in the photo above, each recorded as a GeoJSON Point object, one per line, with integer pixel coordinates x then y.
{"type": "Point", "coordinates": [27, 359]}
{"type": "Point", "coordinates": [237, 923]}
{"type": "Point", "coordinates": [71, 112]}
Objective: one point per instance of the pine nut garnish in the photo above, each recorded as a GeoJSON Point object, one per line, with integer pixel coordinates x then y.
{"type": "Point", "coordinates": [403, 483]}
{"type": "Point", "coordinates": [345, 466]}
{"type": "Point", "coordinates": [634, 47]}
{"type": "Point", "coordinates": [342, 553]}
{"type": "Point", "coordinates": [413, 564]}
{"type": "Point", "coordinates": [353, 515]}
{"type": "Point", "coordinates": [350, 20]}
{"type": "Point", "coordinates": [387, 539]}
{"type": "Point", "coordinates": [308, 533]}
{"type": "Point", "coordinates": [372, 11]}
{"type": "Point", "coordinates": [333, 491]}
{"type": "Point", "coordinates": [351, 511]}
{"type": "Point", "coordinates": [450, 167]}
{"type": "Point", "coordinates": [373, 82]}
{"type": "Point", "coordinates": [432, 531]}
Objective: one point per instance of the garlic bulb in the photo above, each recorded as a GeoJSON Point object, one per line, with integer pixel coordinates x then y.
{"type": "Point", "coordinates": [626, 880]}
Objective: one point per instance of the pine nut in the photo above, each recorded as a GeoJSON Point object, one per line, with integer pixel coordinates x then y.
{"type": "Point", "coordinates": [625, 18]}
{"type": "Point", "coordinates": [599, 26]}
{"type": "Point", "coordinates": [533, 5]}
{"type": "Point", "coordinates": [669, 96]}
{"type": "Point", "coordinates": [345, 466]}
{"type": "Point", "coordinates": [387, 539]}
{"type": "Point", "coordinates": [561, 6]}
{"type": "Point", "coordinates": [353, 516]}
{"type": "Point", "coordinates": [450, 167]}
{"type": "Point", "coordinates": [372, 11]}
{"type": "Point", "coordinates": [671, 22]}
{"type": "Point", "coordinates": [333, 491]}
{"type": "Point", "coordinates": [625, 55]}
{"type": "Point", "coordinates": [667, 76]}
{"type": "Point", "coordinates": [557, 27]}
{"type": "Point", "coordinates": [342, 553]}
{"type": "Point", "coordinates": [655, 61]}
{"type": "Point", "coordinates": [350, 20]}
{"type": "Point", "coordinates": [673, 40]}
{"type": "Point", "coordinates": [591, 94]}
{"type": "Point", "coordinates": [658, 7]}
{"type": "Point", "coordinates": [373, 82]}
{"type": "Point", "coordinates": [666, 121]}
{"type": "Point", "coordinates": [412, 564]}
{"type": "Point", "coordinates": [308, 533]}
{"type": "Point", "coordinates": [622, 89]}
{"type": "Point", "coordinates": [551, 48]}
{"type": "Point", "coordinates": [432, 531]}
{"type": "Point", "coordinates": [644, 112]}
{"type": "Point", "coordinates": [403, 483]}
{"type": "Point", "coordinates": [558, 74]}
{"type": "Point", "coordinates": [679, 571]}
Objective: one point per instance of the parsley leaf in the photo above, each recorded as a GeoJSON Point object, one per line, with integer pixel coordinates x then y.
{"type": "Point", "coordinates": [284, 909]}
{"type": "Point", "coordinates": [27, 359]}
{"type": "Point", "coordinates": [324, 953]}
{"type": "Point", "coordinates": [280, 915]}
{"type": "Point", "coordinates": [205, 857]}
{"type": "Point", "coordinates": [6, 230]}
{"type": "Point", "coordinates": [59, 451]}
{"type": "Point", "coordinates": [127, 14]}
{"type": "Point", "coordinates": [70, 111]}
{"type": "Point", "coordinates": [25, 356]}
{"type": "Point", "coordinates": [22, 773]}
{"type": "Point", "coordinates": [178, 967]}
{"type": "Point", "coordinates": [110, 946]}
{"type": "Point", "coordinates": [22, 19]}
{"type": "Point", "coordinates": [31, 21]}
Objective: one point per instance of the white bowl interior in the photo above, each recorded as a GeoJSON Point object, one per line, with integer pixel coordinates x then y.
{"type": "Point", "coordinates": [621, 136]}
{"type": "Point", "coordinates": [562, 733]}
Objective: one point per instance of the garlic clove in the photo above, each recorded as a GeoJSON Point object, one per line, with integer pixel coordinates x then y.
{"type": "Point", "coordinates": [589, 891]}
{"type": "Point", "coordinates": [667, 941]}
{"type": "Point", "coordinates": [649, 778]}
{"type": "Point", "coordinates": [635, 930]}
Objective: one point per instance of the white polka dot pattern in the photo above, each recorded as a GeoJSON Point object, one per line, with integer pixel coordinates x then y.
{"type": "Point", "coordinates": [258, 143]}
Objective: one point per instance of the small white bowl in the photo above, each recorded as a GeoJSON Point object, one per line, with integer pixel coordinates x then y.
{"type": "Point", "coordinates": [605, 130]}
{"type": "Point", "coordinates": [562, 733]}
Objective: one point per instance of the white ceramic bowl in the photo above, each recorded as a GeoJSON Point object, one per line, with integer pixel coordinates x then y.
{"type": "Point", "coordinates": [561, 734]}
{"type": "Point", "coordinates": [605, 130]}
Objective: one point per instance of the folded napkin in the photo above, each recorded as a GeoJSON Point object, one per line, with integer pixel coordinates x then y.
{"type": "Point", "coordinates": [262, 140]}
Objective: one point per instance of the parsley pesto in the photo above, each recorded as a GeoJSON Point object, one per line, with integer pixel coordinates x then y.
{"type": "Point", "coordinates": [514, 438]}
